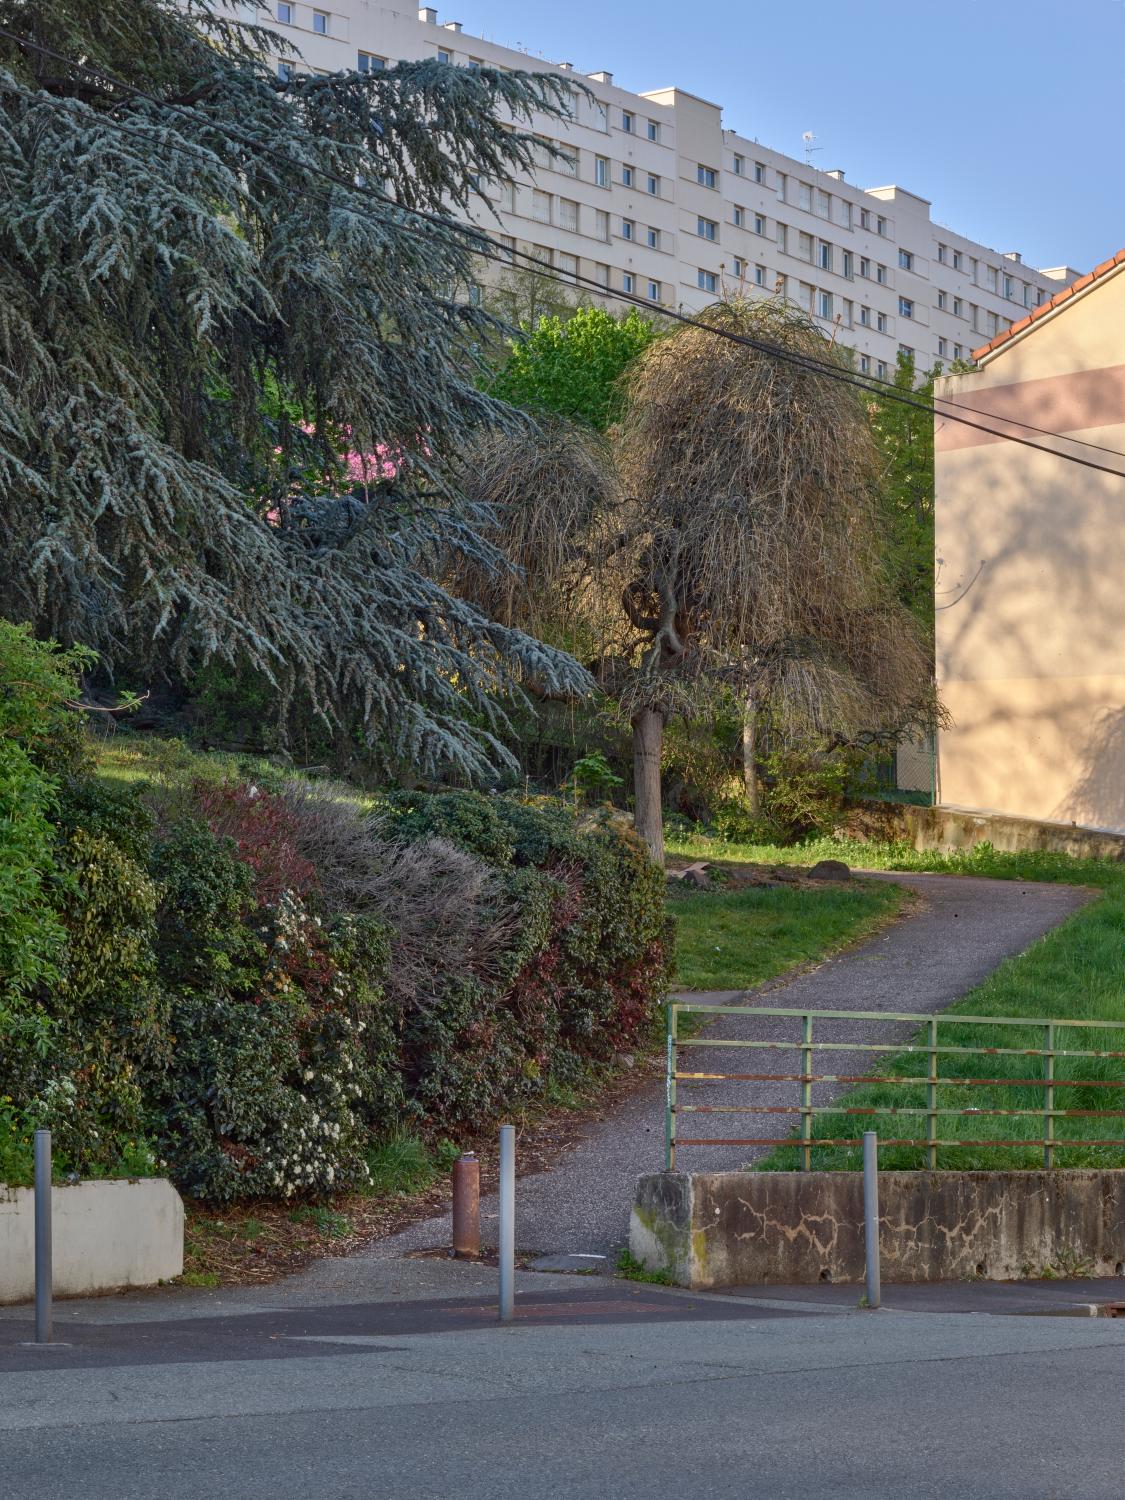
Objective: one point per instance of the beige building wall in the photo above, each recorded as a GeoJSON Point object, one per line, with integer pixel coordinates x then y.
{"type": "Point", "coordinates": [664, 203]}
{"type": "Point", "coordinates": [1031, 572]}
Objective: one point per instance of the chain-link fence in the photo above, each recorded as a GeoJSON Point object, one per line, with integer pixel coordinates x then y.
{"type": "Point", "coordinates": [908, 774]}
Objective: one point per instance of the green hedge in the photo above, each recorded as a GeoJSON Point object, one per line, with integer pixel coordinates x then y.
{"type": "Point", "coordinates": [188, 998]}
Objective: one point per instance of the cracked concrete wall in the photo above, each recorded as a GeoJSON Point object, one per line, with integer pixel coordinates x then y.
{"type": "Point", "coordinates": [746, 1228]}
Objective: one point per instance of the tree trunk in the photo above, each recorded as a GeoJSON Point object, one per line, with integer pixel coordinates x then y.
{"type": "Point", "coordinates": [749, 766]}
{"type": "Point", "coordinates": [648, 737]}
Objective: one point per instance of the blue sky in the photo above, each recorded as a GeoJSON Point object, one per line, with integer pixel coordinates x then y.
{"type": "Point", "coordinates": [1004, 113]}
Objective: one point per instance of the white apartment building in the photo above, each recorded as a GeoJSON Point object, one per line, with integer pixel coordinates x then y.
{"type": "Point", "coordinates": [656, 199]}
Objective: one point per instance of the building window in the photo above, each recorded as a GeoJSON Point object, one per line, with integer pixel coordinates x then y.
{"type": "Point", "coordinates": [627, 121]}
{"type": "Point", "coordinates": [865, 267]}
{"type": "Point", "coordinates": [507, 195]}
{"type": "Point", "coordinates": [906, 260]}
{"type": "Point", "coordinates": [654, 185]}
{"type": "Point", "coordinates": [759, 224]}
{"type": "Point", "coordinates": [942, 252]}
{"type": "Point", "coordinates": [708, 281]}
{"type": "Point", "coordinates": [823, 204]}
{"type": "Point", "coordinates": [443, 56]}
{"type": "Point", "coordinates": [881, 322]}
{"type": "Point", "coordinates": [881, 275]}
{"type": "Point", "coordinates": [475, 64]}
{"type": "Point", "coordinates": [706, 229]}
{"type": "Point", "coordinates": [991, 277]}
{"type": "Point", "coordinates": [739, 267]}
{"type": "Point", "coordinates": [285, 13]}
{"type": "Point", "coordinates": [906, 351]}
{"type": "Point", "coordinates": [881, 369]}
{"type": "Point", "coordinates": [567, 265]}
{"type": "Point", "coordinates": [568, 214]}
{"type": "Point", "coordinates": [626, 177]}
{"type": "Point", "coordinates": [824, 304]}
{"type": "Point", "coordinates": [567, 163]}
{"type": "Point", "coordinates": [781, 186]}
{"type": "Point", "coordinates": [628, 281]}
{"type": "Point", "coordinates": [653, 239]}
{"type": "Point", "coordinates": [848, 310]}
{"type": "Point", "coordinates": [508, 245]}
{"type": "Point", "coordinates": [881, 226]}
{"type": "Point", "coordinates": [601, 171]}
{"type": "Point", "coordinates": [707, 176]}
{"type": "Point", "coordinates": [865, 364]}
{"type": "Point", "coordinates": [541, 206]}
{"type": "Point", "coordinates": [653, 130]}
{"type": "Point", "coordinates": [804, 196]}
{"type": "Point", "coordinates": [958, 352]}
{"type": "Point", "coordinates": [286, 71]}
{"type": "Point", "coordinates": [905, 307]}
{"type": "Point", "coordinates": [738, 216]}
{"type": "Point", "coordinates": [739, 165]}
{"type": "Point", "coordinates": [957, 306]}
{"type": "Point", "coordinates": [601, 274]}
{"type": "Point", "coordinates": [941, 301]}
{"type": "Point", "coordinates": [369, 63]}
{"type": "Point", "coordinates": [956, 260]}
{"type": "Point", "coordinates": [759, 275]}
{"type": "Point", "coordinates": [1009, 288]}
{"type": "Point", "coordinates": [942, 348]}
{"type": "Point", "coordinates": [541, 253]}
{"type": "Point", "coordinates": [627, 229]}
{"type": "Point", "coordinates": [782, 238]}
{"type": "Point", "coordinates": [847, 265]}
{"type": "Point", "coordinates": [865, 317]}
{"type": "Point", "coordinates": [320, 22]}
{"type": "Point", "coordinates": [654, 291]}
{"type": "Point", "coordinates": [760, 172]}
{"type": "Point", "coordinates": [804, 245]}
{"type": "Point", "coordinates": [601, 224]}
{"type": "Point", "coordinates": [824, 256]}
{"type": "Point", "coordinates": [864, 218]}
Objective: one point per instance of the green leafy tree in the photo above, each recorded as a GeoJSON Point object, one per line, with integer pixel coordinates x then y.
{"type": "Point", "coordinates": [211, 288]}
{"type": "Point", "coordinates": [905, 438]}
{"type": "Point", "coordinates": [573, 366]}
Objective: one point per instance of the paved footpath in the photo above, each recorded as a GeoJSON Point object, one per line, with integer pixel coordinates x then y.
{"type": "Point", "coordinates": [598, 1389]}
{"type": "Point", "coordinates": [964, 930]}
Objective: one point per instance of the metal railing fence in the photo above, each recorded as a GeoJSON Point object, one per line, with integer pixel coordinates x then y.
{"type": "Point", "coordinates": [808, 1043]}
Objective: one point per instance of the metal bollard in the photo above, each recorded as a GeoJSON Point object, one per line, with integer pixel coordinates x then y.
{"type": "Point", "coordinates": [507, 1222]}
{"type": "Point", "coordinates": [871, 1216]}
{"type": "Point", "coordinates": [42, 1236]}
{"type": "Point", "coordinates": [466, 1206]}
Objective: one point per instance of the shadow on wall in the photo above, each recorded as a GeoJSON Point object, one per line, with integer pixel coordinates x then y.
{"type": "Point", "coordinates": [1097, 798]}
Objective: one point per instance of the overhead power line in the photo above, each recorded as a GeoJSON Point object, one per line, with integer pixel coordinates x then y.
{"type": "Point", "coordinates": [490, 249]}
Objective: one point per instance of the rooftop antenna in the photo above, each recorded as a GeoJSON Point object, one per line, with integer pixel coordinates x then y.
{"type": "Point", "coordinates": [808, 139]}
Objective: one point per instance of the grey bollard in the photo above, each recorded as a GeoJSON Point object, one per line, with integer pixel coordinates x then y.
{"type": "Point", "coordinates": [871, 1216]}
{"type": "Point", "coordinates": [43, 1271]}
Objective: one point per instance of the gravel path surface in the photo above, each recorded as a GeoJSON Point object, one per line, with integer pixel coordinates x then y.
{"type": "Point", "coordinates": [965, 928]}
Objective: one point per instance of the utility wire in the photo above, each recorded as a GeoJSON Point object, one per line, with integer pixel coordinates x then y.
{"type": "Point", "coordinates": [490, 249]}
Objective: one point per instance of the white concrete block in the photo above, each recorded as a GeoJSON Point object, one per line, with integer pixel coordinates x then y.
{"type": "Point", "coordinates": [105, 1235]}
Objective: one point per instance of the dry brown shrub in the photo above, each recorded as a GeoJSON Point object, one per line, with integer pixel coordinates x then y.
{"type": "Point", "coordinates": [447, 910]}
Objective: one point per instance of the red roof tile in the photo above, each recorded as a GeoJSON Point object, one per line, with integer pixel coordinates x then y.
{"type": "Point", "coordinates": [1049, 306]}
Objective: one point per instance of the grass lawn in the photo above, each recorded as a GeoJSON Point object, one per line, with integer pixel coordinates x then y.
{"type": "Point", "coordinates": [733, 940]}
{"type": "Point", "coordinates": [1075, 972]}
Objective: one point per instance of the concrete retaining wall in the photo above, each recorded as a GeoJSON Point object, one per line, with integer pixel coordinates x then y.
{"type": "Point", "coordinates": [105, 1235]}
{"type": "Point", "coordinates": [946, 829]}
{"type": "Point", "coordinates": [749, 1228]}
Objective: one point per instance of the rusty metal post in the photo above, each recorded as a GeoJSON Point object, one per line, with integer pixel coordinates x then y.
{"type": "Point", "coordinates": [466, 1206]}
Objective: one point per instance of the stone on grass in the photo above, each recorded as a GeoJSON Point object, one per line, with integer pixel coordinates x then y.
{"type": "Point", "coordinates": [830, 869]}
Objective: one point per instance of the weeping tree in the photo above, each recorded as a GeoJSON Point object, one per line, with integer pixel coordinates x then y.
{"type": "Point", "coordinates": [237, 373]}
{"type": "Point", "coordinates": [736, 550]}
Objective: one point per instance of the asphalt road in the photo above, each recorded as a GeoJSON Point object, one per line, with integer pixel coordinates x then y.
{"type": "Point", "coordinates": [963, 931]}
{"type": "Point", "coordinates": [598, 1390]}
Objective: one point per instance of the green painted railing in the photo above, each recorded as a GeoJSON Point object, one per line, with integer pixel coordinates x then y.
{"type": "Point", "coordinates": [808, 1043]}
